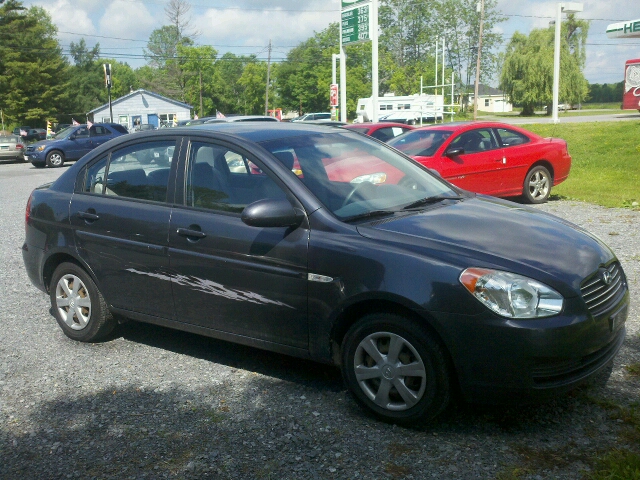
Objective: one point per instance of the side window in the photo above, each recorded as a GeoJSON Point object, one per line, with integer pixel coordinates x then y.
{"type": "Point", "coordinates": [509, 138]}
{"type": "Point", "coordinates": [475, 141]}
{"type": "Point", "coordinates": [383, 134]}
{"type": "Point", "coordinates": [82, 132]}
{"type": "Point", "coordinates": [237, 163]}
{"type": "Point", "coordinates": [97, 131]}
{"type": "Point", "coordinates": [140, 171]}
{"type": "Point", "coordinates": [94, 179]}
{"type": "Point", "coordinates": [224, 180]}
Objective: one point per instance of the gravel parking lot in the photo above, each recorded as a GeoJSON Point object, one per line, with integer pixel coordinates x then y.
{"type": "Point", "coordinates": [156, 403]}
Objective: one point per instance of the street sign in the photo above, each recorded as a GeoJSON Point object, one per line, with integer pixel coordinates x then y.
{"type": "Point", "coordinates": [333, 95]}
{"type": "Point", "coordinates": [355, 25]}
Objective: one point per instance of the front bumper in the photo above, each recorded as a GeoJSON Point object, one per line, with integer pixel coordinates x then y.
{"type": "Point", "coordinates": [501, 360]}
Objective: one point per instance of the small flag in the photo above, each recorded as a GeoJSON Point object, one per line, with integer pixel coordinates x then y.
{"type": "Point", "coordinates": [89, 124]}
{"type": "Point", "coordinates": [23, 133]}
{"type": "Point", "coordinates": [73, 122]}
{"type": "Point", "coordinates": [219, 114]}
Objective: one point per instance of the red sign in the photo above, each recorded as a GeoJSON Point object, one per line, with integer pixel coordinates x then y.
{"type": "Point", "coordinates": [333, 95]}
{"type": "Point", "coordinates": [631, 95]}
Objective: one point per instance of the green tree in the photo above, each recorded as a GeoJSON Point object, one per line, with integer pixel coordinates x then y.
{"type": "Point", "coordinates": [228, 91]}
{"type": "Point", "coordinates": [527, 73]}
{"type": "Point", "coordinates": [162, 51]}
{"type": "Point", "coordinates": [411, 28]}
{"type": "Point", "coordinates": [304, 78]}
{"type": "Point", "coordinates": [199, 68]}
{"type": "Point", "coordinates": [33, 72]}
{"type": "Point", "coordinates": [253, 82]}
{"type": "Point", "coordinates": [87, 78]}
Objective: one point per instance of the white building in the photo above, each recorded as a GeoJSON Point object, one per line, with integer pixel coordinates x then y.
{"type": "Point", "coordinates": [490, 100]}
{"type": "Point", "coordinates": [409, 109]}
{"type": "Point", "coordinates": [140, 107]}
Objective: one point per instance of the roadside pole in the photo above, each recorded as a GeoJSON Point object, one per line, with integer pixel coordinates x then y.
{"type": "Point", "coordinates": [374, 59]}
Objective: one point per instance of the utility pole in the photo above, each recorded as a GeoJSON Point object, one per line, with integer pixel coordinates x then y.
{"type": "Point", "coordinates": [200, 72]}
{"type": "Point", "coordinates": [266, 101]}
{"type": "Point", "coordinates": [475, 95]}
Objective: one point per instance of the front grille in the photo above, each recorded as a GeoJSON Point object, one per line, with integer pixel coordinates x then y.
{"type": "Point", "coordinates": [600, 295]}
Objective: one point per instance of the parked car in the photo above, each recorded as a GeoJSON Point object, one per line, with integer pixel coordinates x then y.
{"type": "Point", "coordinates": [71, 144]}
{"type": "Point", "coordinates": [490, 157]}
{"type": "Point", "coordinates": [145, 127]}
{"type": "Point", "coordinates": [19, 130]}
{"type": "Point", "coordinates": [312, 116]}
{"type": "Point", "coordinates": [383, 131]}
{"type": "Point", "coordinates": [413, 287]}
{"type": "Point", "coordinates": [11, 148]}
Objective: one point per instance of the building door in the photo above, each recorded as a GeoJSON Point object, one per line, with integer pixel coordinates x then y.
{"type": "Point", "coordinates": [153, 119]}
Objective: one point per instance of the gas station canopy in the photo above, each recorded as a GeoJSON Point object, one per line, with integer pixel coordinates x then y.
{"type": "Point", "coordinates": [630, 29]}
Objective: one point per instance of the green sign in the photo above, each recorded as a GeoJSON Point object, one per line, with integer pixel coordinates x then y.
{"type": "Point", "coordinates": [351, 3]}
{"type": "Point", "coordinates": [355, 25]}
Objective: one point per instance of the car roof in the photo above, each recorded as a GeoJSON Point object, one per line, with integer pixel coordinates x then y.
{"type": "Point", "coordinates": [261, 131]}
{"type": "Point", "coordinates": [379, 125]}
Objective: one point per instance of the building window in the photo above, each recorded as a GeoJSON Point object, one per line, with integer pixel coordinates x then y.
{"type": "Point", "coordinates": [168, 119]}
{"type": "Point", "coordinates": [486, 102]}
{"type": "Point", "coordinates": [404, 106]}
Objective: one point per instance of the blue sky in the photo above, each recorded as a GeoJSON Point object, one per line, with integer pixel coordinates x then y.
{"type": "Point", "coordinates": [122, 27]}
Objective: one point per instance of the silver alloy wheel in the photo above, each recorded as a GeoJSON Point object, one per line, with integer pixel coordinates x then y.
{"type": "Point", "coordinates": [390, 371]}
{"type": "Point", "coordinates": [55, 159]}
{"type": "Point", "coordinates": [73, 302]}
{"type": "Point", "coordinates": [539, 184]}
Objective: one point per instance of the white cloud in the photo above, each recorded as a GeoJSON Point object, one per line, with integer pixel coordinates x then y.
{"type": "Point", "coordinates": [127, 19]}
{"type": "Point", "coordinates": [68, 18]}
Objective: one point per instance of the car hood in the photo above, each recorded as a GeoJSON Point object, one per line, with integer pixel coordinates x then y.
{"type": "Point", "coordinates": [47, 142]}
{"type": "Point", "coordinates": [487, 232]}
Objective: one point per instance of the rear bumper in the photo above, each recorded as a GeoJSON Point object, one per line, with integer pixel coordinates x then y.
{"type": "Point", "coordinates": [33, 258]}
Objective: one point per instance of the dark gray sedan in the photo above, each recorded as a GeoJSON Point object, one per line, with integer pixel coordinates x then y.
{"type": "Point", "coordinates": [325, 244]}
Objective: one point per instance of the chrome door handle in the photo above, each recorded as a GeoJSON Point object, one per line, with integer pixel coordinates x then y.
{"type": "Point", "coordinates": [187, 232]}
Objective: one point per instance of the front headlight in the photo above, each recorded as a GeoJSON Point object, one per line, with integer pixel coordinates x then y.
{"type": "Point", "coordinates": [40, 147]}
{"type": "Point", "coordinates": [511, 295]}
{"type": "Point", "coordinates": [375, 178]}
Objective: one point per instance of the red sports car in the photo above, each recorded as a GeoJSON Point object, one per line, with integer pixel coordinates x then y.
{"type": "Point", "coordinates": [383, 131]}
{"type": "Point", "coordinates": [490, 157]}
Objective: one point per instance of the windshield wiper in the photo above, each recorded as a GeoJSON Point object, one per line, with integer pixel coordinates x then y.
{"type": "Point", "coordinates": [372, 213]}
{"type": "Point", "coordinates": [429, 200]}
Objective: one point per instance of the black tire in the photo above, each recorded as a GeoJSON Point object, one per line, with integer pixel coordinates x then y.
{"type": "Point", "coordinates": [39, 165]}
{"type": "Point", "coordinates": [429, 391]}
{"type": "Point", "coordinates": [55, 159]}
{"type": "Point", "coordinates": [537, 185]}
{"type": "Point", "coordinates": [78, 305]}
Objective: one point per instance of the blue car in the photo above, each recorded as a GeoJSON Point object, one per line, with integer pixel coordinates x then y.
{"type": "Point", "coordinates": [71, 144]}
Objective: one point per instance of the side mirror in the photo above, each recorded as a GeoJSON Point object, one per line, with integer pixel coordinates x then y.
{"type": "Point", "coordinates": [271, 213]}
{"type": "Point", "coordinates": [454, 152]}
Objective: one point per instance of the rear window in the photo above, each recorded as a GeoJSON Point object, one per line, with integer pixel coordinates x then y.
{"type": "Point", "coordinates": [9, 139]}
{"type": "Point", "coordinates": [119, 128]}
{"type": "Point", "coordinates": [420, 142]}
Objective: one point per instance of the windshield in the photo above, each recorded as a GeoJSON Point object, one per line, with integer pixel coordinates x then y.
{"type": "Point", "coordinates": [353, 175]}
{"type": "Point", "coordinates": [420, 142]}
{"type": "Point", "coordinates": [63, 133]}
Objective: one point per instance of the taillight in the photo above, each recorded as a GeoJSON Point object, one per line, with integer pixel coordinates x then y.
{"type": "Point", "coordinates": [19, 146]}
{"type": "Point", "coordinates": [27, 213]}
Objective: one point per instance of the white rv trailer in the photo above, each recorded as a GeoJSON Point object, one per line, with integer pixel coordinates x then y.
{"type": "Point", "coordinates": [410, 109]}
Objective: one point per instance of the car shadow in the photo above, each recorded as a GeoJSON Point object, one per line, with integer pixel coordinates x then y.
{"type": "Point", "coordinates": [306, 372]}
